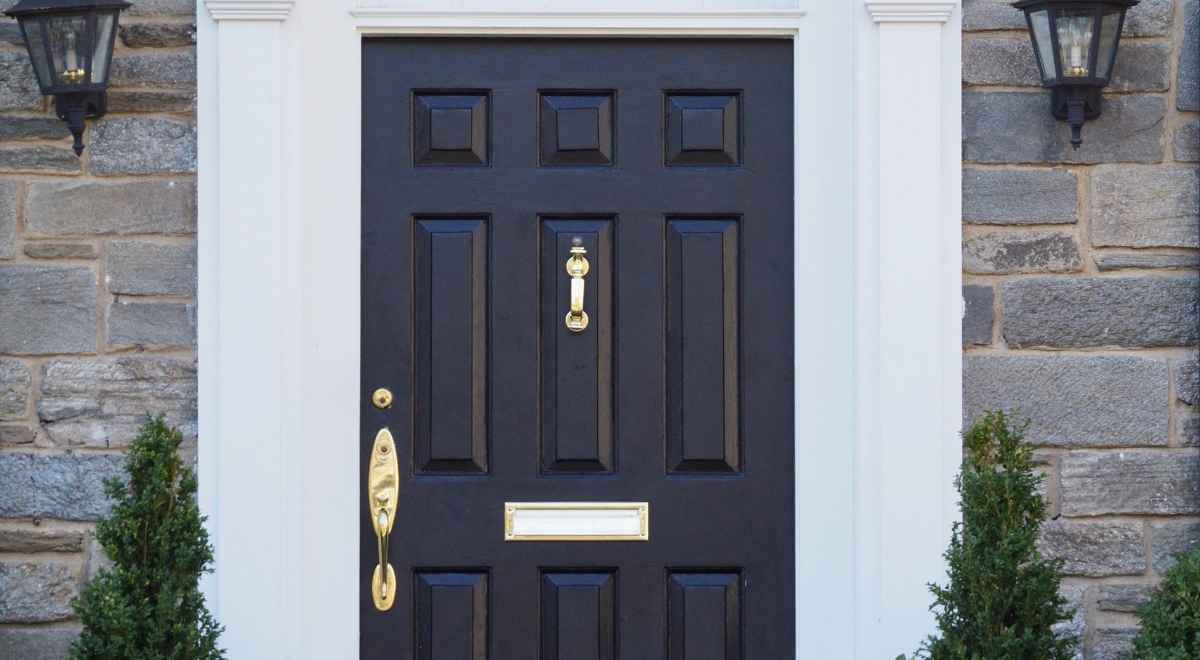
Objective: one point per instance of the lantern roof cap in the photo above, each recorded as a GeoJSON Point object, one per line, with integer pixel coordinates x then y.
{"type": "Point", "coordinates": [1024, 4]}
{"type": "Point", "coordinates": [31, 7]}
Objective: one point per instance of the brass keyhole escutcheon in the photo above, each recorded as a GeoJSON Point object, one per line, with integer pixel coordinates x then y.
{"type": "Point", "coordinates": [382, 398]}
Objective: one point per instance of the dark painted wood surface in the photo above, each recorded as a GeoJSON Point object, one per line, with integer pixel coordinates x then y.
{"type": "Point", "coordinates": [672, 161]}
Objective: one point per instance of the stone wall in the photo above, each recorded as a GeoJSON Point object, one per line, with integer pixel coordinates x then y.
{"type": "Point", "coordinates": [97, 305]}
{"type": "Point", "coordinates": [1082, 299]}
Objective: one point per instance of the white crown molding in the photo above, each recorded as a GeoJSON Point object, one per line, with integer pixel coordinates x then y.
{"type": "Point", "coordinates": [249, 10]}
{"type": "Point", "coordinates": [893, 11]}
{"type": "Point", "coordinates": [374, 19]}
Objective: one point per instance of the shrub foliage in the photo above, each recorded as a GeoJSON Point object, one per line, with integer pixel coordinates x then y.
{"type": "Point", "coordinates": [1002, 597]}
{"type": "Point", "coordinates": [1171, 620]}
{"type": "Point", "coordinates": [148, 605]}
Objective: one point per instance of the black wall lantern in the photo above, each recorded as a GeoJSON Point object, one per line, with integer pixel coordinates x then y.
{"type": "Point", "coordinates": [70, 43]}
{"type": "Point", "coordinates": [1076, 45]}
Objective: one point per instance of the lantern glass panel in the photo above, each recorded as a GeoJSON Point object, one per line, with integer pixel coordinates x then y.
{"type": "Point", "coordinates": [69, 48]}
{"type": "Point", "coordinates": [1075, 28]}
{"type": "Point", "coordinates": [37, 51]}
{"type": "Point", "coordinates": [102, 53]}
{"type": "Point", "coordinates": [1040, 20]}
{"type": "Point", "coordinates": [1110, 26]}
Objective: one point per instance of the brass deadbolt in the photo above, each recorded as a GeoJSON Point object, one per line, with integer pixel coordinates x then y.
{"type": "Point", "coordinates": [382, 398]}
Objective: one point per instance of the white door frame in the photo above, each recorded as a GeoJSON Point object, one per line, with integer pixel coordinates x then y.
{"type": "Point", "coordinates": [877, 299]}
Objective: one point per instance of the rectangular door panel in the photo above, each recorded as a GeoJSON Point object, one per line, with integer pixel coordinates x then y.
{"type": "Point", "coordinates": [451, 616]}
{"type": "Point", "coordinates": [702, 346]}
{"type": "Point", "coordinates": [451, 265]}
{"type": "Point", "coordinates": [705, 621]}
{"type": "Point", "coordinates": [577, 408]}
{"type": "Point", "coordinates": [579, 615]}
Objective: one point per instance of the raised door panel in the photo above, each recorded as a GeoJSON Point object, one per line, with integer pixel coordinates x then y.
{"type": "Point", "coordinates": [579, 616]}
{"type": "Point", "coordinates": [450, 408]}
{"type": "Point", "coordinates": [451, 616]}
{"type": "Point", "coordinates": [577, 379]}
{"type": "Point", "coordinates": [702, 346]}
{"type": "Point", "coordinates": [704, 618]}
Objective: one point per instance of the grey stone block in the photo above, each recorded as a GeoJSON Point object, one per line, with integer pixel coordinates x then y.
{"type": "Point", "coordinates": [1094, 311]}
{"type": "Point", "coordinates": [18, 86]}
{"type": "Point", "coordinates": [1189, 428]}
{"type": "Point", "coordinates": [158, 35]}
{"type": "Point", "coordinates": [151, 324]}
{"type": "Point", "coordinates": [102, 403]}
{"type": "Point", "coordinates": [1130, 481]}
{"type": "Point", "coordinates": [1187, 141]}
{"type": "Point", "coordinates": [977, 317]}
{"type": "Point", "coordinates": [1095, 549]}
{"type": "Point", "coordinates": [163, 7]}
{"type": "Point", "coordinates": [1112, 643]}
{"type": "Point", "coordinates": [152, 100]}
{"type": "Point", "coordinates": [1074, 627]}
{"type": "Point", "coordinates": [30, 540]}
{"type": "Point", "coordinates": [15, 379]}
{"type": "Point", "coordinates": [1019, 197]}
{"type": "Point", "coordinates": [1073, 401]}
{"type": "Point", "coordinates": [155, 69]}
{"type": "Point", "coordinates": [1123, 597]}
{"type": "Point", "coordinates": [143, 145]}
{"type": "Point", "coordinates": [142, 268]}
{"type": "Point", "coordinates": [39, 159]}
{"type": "Point", "coordinates": [59, 486]}
{"type": "Point", "coordinates": [8, 219]}
{"type": "Point", "coordinates": [10, 33]}
{"type": "Point", "coordinates": [1006, 61]}
{"type": "Point", "coordinates": [162, 206]}
{"type": "Point", "coordinates": [1187, 96]}
{"type": "Point", "coordinates": [1150, 18]}
{"type": "Point", "coordinates": [47, 309]}
{"type": "Point", "coordinates": [36, 592]}
{"type": "Point", "coordinates": [1187, 380]}
{"type": "Point", "coordinates": [16, 434]}
{"type": "Point", "coordinates": [1142, 67]}
{"type": "Point", "coordinates": [60, 250]}
{"type": "Point", "coordinates": [1017, 127]}
{"type": "Point", "coordinates": [32, 128]}
{"type": "Point", "coordinates": [991, 15]}
{"type": "Point", "coordinates": [1120, 261]}
{"type": "Point", "coordinates": [1170, 539]}
{"type": "Point", "coordinates": [1145, 206]}
{"type": "Point", "coordinates": [40, 643]}
{"type": "Point", "coordinates": [995, 253]}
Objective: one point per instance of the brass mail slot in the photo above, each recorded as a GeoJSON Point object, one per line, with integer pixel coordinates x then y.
{"type": "Point", "coordinates": [576, 521]}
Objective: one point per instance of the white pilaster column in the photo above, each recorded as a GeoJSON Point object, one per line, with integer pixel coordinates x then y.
{"type": "Point", "coordinates": [909, 297]}
{"type": "Point", "coordinates": [249, 321]}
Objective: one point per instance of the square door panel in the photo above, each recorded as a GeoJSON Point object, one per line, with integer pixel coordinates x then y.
{"type": "Point", "coordinates": [579, 615]}
{"type": "Point", "coordinates": [703, 128]}
{"type": "Point", "coordinates": [450, 128]}
{"type": "Point", "coordinates": [575, 128]}
{"type": "Point", "coordinates": [450, 611]}
{"type": "Point", "coordinates": [704, 618]}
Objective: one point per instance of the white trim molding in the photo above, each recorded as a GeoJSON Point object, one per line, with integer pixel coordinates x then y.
{"type": "Point", "coordinates": [877, 299]}
{"type": "Point", "coordinates": [249, 10]}
{"type": "Point", "coordinates": [893, 11]}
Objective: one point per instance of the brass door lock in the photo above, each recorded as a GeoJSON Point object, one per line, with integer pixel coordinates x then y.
{"type": "Point", "coordinates": [383, 489]}
{"type": "Point", "coordinates": [382, 398]}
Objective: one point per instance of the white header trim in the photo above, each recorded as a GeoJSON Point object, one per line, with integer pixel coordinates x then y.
{"type": "Point", "coordinates": [891, 11]}
{"type": "Point", "coordinates": [376, 20]}
{"type": "Point", "coordinates": [249, 10]}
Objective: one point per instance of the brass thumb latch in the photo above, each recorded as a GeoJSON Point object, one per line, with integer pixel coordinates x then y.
{"type": "Point", "coordinates": [383, 490]}
{"type": "Point", "coordinates": [577, 268]}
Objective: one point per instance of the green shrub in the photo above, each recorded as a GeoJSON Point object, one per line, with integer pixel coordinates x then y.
{"type": "Point", "coordinates": [148, 605]}
{"type": "Point", "coordinates": [1171, 620]}
{"type": "Point", "coordinates": [1002, 597]}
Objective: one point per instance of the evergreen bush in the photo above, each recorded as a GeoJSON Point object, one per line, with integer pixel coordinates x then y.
{"type": "Point", "coordinates": [1002, 598]}
{"type": "Point", "coordinates": [148, 605]}
{"type": "Point", "coordinates": [1171, 620]}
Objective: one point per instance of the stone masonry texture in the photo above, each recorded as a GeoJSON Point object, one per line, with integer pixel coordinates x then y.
{"type": "Point", "coordinates": [1080, 295]}
{"type": "Point", "coordinates": [1082, 301]}
{"type": "Point", "coordinates": [97, 306]}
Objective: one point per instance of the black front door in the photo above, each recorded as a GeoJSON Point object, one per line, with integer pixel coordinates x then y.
{"type": "Point", "coordinates": [649, 184]}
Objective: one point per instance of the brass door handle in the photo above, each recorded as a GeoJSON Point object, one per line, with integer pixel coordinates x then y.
{"type": "Point", "coordinates": [383, 490]}
{"type": "Point", "coordinates": [577, 268]}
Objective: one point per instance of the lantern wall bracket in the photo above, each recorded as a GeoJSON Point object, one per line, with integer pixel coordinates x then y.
{"type": "Point", "coordinates": [75, 107]}
{"type": "Point", "coordinates": [1075, 105]}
